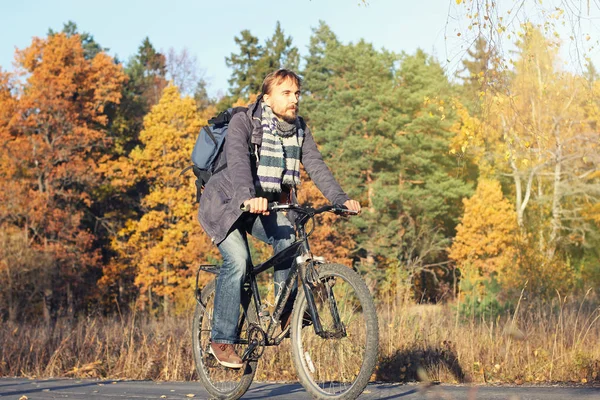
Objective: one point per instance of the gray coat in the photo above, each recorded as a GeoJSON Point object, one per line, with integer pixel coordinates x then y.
{"type": "Point", "coordinates": [227, 190]}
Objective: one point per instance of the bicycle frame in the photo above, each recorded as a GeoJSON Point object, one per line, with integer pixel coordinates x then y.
{"type": "Point", "coordinates": [302, 265]}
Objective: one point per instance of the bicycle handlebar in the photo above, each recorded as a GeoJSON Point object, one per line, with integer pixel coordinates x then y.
{"type": "Point", "coordinates": [335, 208]}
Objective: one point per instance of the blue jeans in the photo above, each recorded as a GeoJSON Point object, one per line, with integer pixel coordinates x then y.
{"type": "Point", "coordinates": [274, 229]}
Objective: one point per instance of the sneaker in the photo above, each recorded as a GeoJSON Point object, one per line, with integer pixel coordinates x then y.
{"type": "Point", "coordinates": [225, 354]}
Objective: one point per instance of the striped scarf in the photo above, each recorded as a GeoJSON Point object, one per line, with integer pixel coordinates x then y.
{"type": "Point", "coordinates": [279, 153]}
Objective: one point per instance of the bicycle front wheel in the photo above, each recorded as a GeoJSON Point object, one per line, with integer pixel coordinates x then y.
{"type": "Point", "coordinates": [221, 382]}
{"type": "Point", "coordinates": [338, 363]}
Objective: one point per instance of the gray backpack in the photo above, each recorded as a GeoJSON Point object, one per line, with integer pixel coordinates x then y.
{"type": "Point", "coordinates": [206, 155]}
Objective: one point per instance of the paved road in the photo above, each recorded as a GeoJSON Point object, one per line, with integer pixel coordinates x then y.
{"type": "Point", "coordinates": [19, 388]}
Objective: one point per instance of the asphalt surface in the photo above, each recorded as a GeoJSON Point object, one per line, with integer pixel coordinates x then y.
{"type": "Point", "coordinates": [83, 389]}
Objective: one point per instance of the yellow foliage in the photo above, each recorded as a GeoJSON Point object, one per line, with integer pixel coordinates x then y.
{"type": "Point", "coordinates": [488, 243]}
{"type": "Point", "coordinates": [468, 134]}
{"type": "Point", "coordinates": [544, 276]}
{"type": "Point", "coordinates": [484, 238]}
{"type": "Point", "coordinates": [243, 102]}
{"type": "Point", "coordinates": [167, 241]}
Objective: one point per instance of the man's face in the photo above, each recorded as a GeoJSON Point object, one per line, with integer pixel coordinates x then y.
{"type": "Point", "coordinates": [283, 100]}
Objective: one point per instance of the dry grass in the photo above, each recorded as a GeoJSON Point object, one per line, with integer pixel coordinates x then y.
{"type": "Point", "coordinates": [537, 343]}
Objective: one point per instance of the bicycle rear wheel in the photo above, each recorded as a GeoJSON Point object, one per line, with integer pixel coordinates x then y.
{"type": "Point", "coordinates": [338, 363]}
{"type": "Point", "coordinates": [221, 382]}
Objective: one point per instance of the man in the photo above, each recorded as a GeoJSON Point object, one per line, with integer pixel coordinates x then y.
{"type": "Point", "coordinates": [255, 176]}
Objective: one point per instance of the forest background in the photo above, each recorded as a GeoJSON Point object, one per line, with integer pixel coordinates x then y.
{"type": "Point", "coordinates": [480, 232]}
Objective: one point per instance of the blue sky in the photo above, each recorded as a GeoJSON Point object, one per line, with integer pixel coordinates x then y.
{"type": "Point", "coordinates": [207, 27]}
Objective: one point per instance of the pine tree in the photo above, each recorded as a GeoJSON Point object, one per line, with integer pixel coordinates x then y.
{"type": "Point", "coordinates": [317, 71]}
{"type": "Point", "coordinates": [481, 74]}
{"type": "Point", "coordinates": [147, 78]}
{"type": "Point", "coordinates": [244, 78]}
{"type": "Point", "coordinates": [279, 52]}
{"type": "Point", "coordinates": [254, 61]}
{"type": "Point", "coordinates": [386, 145]}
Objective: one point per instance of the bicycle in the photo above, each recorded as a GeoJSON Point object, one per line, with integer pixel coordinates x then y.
{"type": "Point", "coordinates": [334, 351]}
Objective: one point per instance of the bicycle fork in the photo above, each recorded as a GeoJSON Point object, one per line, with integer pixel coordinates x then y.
{"type": "Point", "coordinates": [310, 279]}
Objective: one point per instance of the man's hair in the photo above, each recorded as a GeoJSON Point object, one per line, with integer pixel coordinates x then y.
{"type": "Point", "coordinates": [276, 77]}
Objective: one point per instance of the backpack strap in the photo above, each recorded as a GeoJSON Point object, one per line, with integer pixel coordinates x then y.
{"type": "Point", "coordinates": [257, 132]}
{"type": "Point", "coordinates": [255, 136]}
{"type": "Point", "coordinates": [225, 116]}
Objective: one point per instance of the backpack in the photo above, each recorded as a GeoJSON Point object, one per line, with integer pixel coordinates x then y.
{"type": "Point", "coordinates": [207, 151]}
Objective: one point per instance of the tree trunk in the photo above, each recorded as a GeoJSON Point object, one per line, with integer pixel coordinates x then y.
{"type": "Point", "coordinates": [70, 302]}
{"type": "Point", "coordinates": [9, 289]}
{"type": "Point", "coordinates": [12, 312]}
{"type": "Point", "coordinates": [11, 296]}
{"type": "Point", "coordinates": [518, 198]}
{"type": "Point", "coordinates": [47, 305]}
{"type": "Point", "coordinates": [540, 194]}
{"type": "Point", "coordinates": [165, 283]}
{"type": "Point", "coordinates": [370, 192]}
{"type": "Point", "coordinates": [121, 289]}
{"type": "Point", "coordinates": [47, 293]}
{"type": "Point", "coordinates": [556, 210]}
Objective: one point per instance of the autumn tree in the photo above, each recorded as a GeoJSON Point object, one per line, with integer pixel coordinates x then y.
{"type": "Point", "coordinates": [116, 203]}
{"type": "Point", "coordinates": [548, 135]}
{"type": "Point", "coordinates": [166, 242]}
{"type": "Point", "coordinates": [90, 47]}
{"type": "Point", "coordinates": [486, 236]}
{"type": "Point", "coordinates": [539, 138]}
{"type": "Point", "coordinates": [52, 140]}
{"type": "Point", "coordinates": [22, 267]}
{"type": "Point", "coordinates": [328, 239]}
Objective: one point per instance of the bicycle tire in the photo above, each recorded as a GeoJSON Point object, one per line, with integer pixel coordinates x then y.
{"type": "Point", "coordinates": [336, 368]}
{"type": "Point", "coordinates": [220, 382]}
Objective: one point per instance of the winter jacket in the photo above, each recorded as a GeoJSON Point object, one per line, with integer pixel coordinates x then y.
{"type": "Point", "coordinates": [227, 190]}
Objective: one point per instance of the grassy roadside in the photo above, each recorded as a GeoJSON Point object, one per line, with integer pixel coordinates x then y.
{"type": "Point", "coordinates": [552, 342]}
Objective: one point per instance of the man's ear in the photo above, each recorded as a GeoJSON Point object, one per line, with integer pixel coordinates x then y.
{"type": "Point", "coordinates": [267, 99]}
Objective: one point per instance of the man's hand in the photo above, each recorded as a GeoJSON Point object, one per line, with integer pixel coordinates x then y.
{"type": "Point", "coordinates": [352, 205]}
{"type": "Point", "coordinates": [258, 205]}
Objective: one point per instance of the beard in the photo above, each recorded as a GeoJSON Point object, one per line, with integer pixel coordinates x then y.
{"type": "Point", "coordinates": [289, 115]}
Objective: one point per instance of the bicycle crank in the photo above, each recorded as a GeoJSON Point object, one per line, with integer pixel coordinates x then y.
{"type": "Point", "coordinates": [256, 343]}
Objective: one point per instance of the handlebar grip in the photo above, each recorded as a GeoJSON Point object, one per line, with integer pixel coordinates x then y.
{"type": "Point", "coordinates": [270, 207]}
{"type": "Point", "coordinates": [342, 209]}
